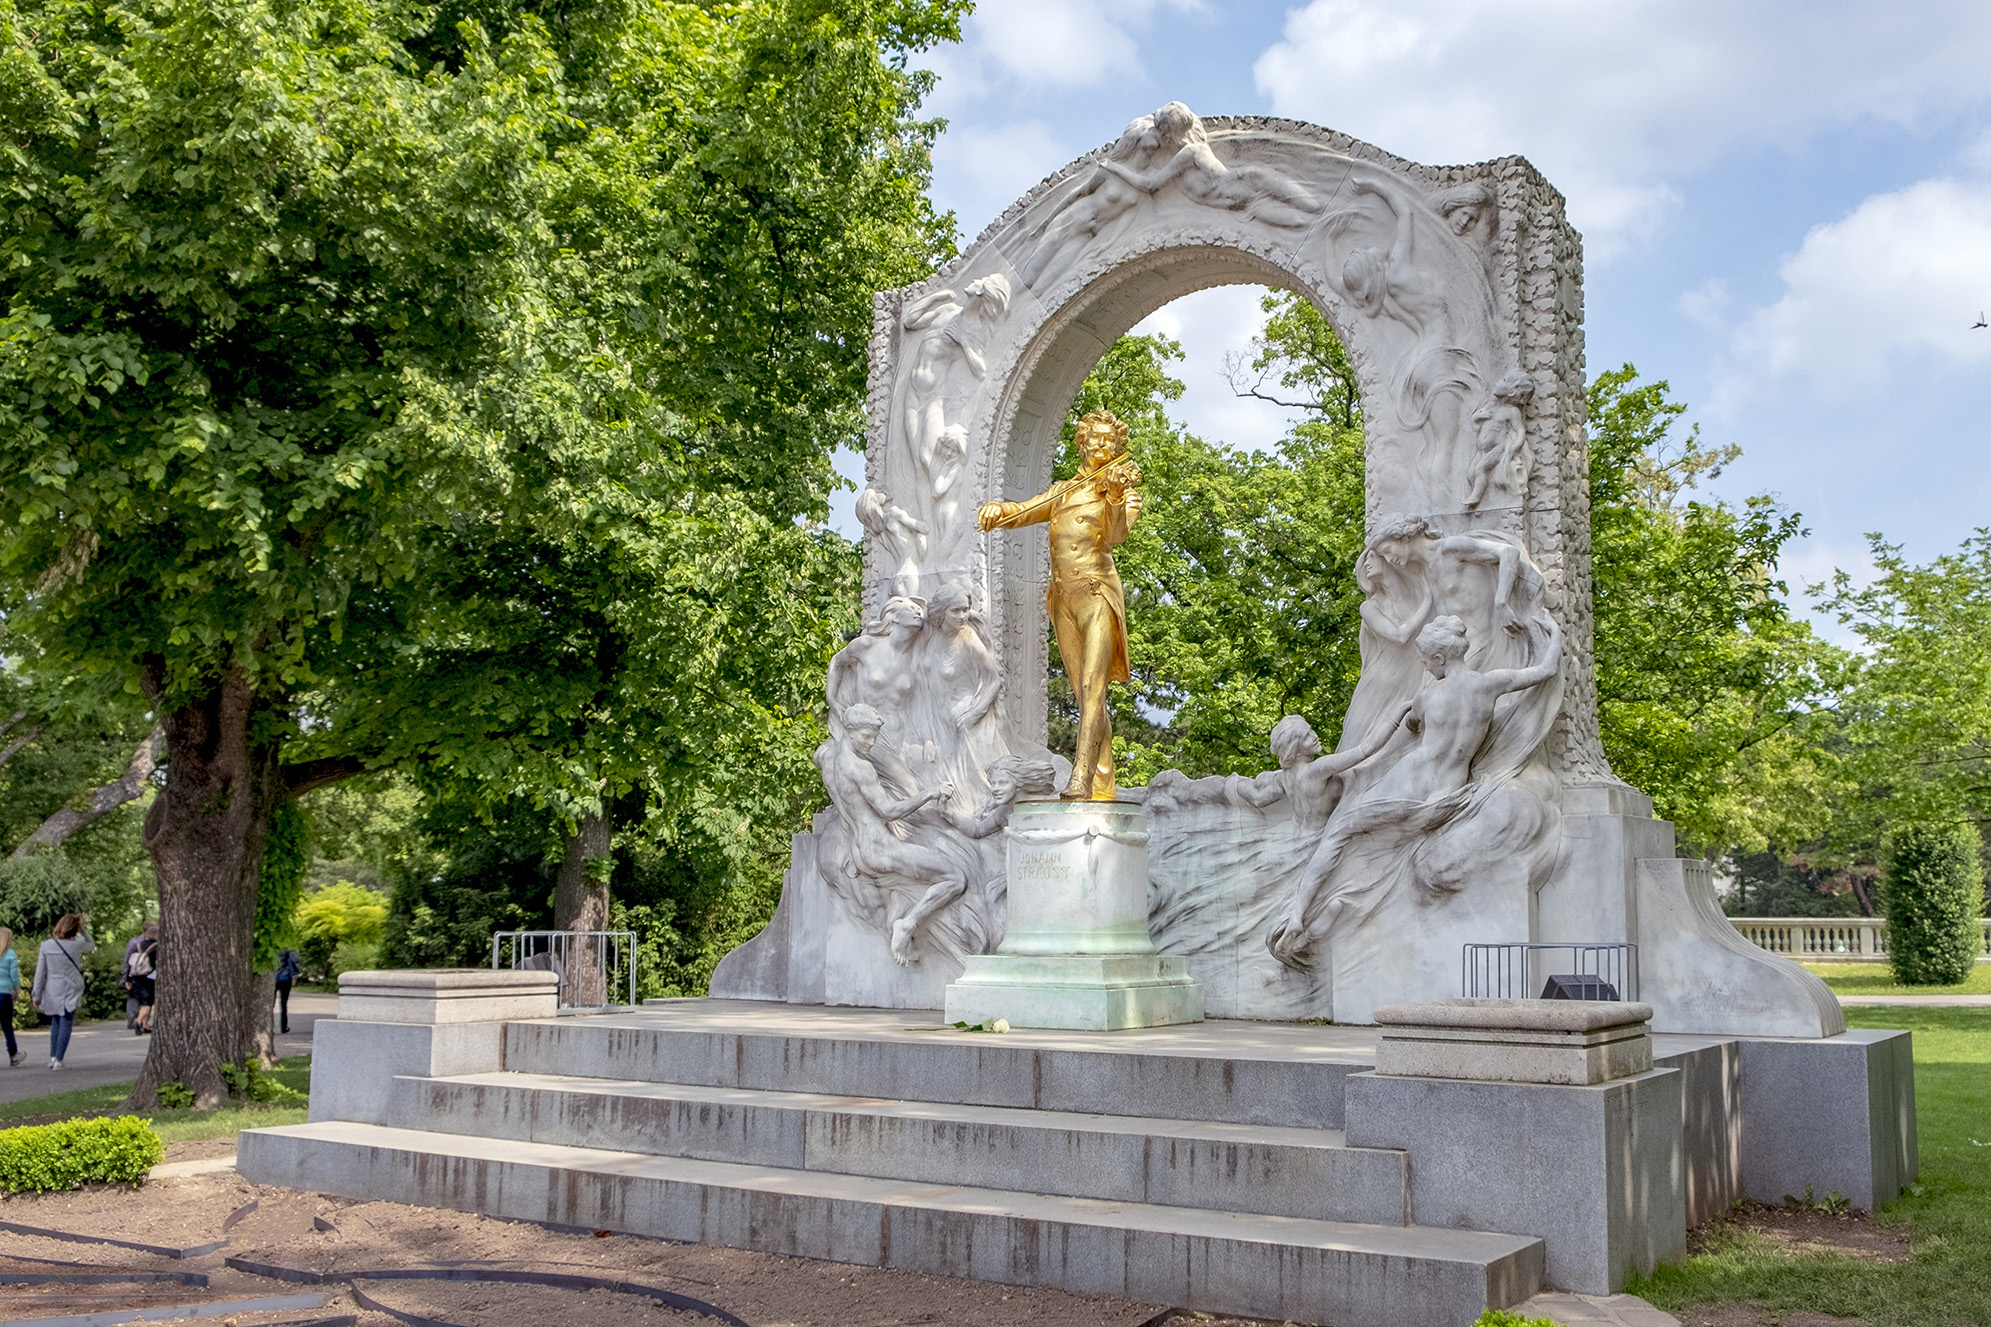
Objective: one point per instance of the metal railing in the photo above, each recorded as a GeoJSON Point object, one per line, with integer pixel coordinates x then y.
{"type": "Point", "coordinates": [1829, 939]}
{"type": "Point", "coordinates": [593, 966]}
{"type": "Point", "coordinates": [1520, 971]}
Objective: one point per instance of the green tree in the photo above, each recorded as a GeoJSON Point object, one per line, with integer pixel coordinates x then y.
{"type": "Point", "coordinates": [1917, 701]}
{"type": "Point", "coordinates": [1711, 697]}
{"type": "Point", "coordinates": [1241, 599]}
{"type": "Point", "coordinates": [313, 314]}
{"type": "Point", "coordinates": [1932, 894]}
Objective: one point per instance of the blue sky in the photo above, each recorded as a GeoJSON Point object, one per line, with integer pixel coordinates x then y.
{"type": "Point", "coordinates": [1786, 205]}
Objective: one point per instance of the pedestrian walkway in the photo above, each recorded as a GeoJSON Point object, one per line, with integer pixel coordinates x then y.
{"type": "Point", "coordinates": [1974, 1000]}
{"type": "Point", "coordinates": [1595, 1311]}
{"type": "Point", "coordinates": [106, 1052]}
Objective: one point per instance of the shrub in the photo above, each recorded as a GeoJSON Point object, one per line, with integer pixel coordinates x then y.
{"type": "Point", "coordinates": [42, 1157]}
{"type": "Point", "coordinates": [1502, 1318]}
{"type": "Point", "coordinates": [248, 1082]}
{"type": "Point", "coordinates": [335, 915]}
{"type": "Point", "coordinates": [1932, 895]}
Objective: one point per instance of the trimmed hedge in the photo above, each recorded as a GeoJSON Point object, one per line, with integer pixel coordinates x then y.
{"type": "Point", "coordinates": [1932, 894]}
{"type": "Point", "coordinates": [38, 1158]}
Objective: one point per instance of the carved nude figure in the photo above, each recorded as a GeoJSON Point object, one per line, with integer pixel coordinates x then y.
{"type": "Point", "coordinates": [1450, 719]}
{"type": "Point", "coordinates": [1498, 432]}
{"type": "Point", "coordinates": [1309, 781]}
{"type": "Point", "coordinates": [950, 458]}
{"type": "Point", "coordinates": [950, 359]}
{"type": "Point", "coordinates": [1253, 190]}
{"type": "Point", "coordinates": [873, 815]}
{"type": "Point", "coordinates": [1396, 573]}
{"type": "Point", "coordinates": [1103, 199]}
{"type": "Point", "coordinates": [879, 669]}
{"type": "Point", "coordinates": [901, 537]}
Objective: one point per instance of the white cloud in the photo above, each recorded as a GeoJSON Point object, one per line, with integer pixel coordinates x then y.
{"type": "Point", "coordinates": [1612, 100]}
{"type": "Point", "coordinates": [1708, 304]}
{"type": "Point", "coordinates": [1901, 277]}
{"type": "Point", "coordinates": [1051, 43]}
{"type": "Point", "coordinates": [1003, 160]}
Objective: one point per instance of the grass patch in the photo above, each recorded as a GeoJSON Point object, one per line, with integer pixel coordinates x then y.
{"type": "Point", "coordinates": [1947, 1281]}
{"type": "Point", "coordinates": [1878, 979]}
{"type": "Point", "coordinates": [177, 1126]}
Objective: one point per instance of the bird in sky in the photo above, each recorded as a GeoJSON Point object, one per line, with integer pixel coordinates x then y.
{"type": "Point", "coordinates": [1979, 323]}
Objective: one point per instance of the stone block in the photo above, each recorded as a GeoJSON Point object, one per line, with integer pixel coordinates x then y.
{"type": "Point", "coordinates": [1515, 1041]}
{"type": "Point", "coordinates": [354, 1064]}
{"type": "Point", "coordinates": [1711, 1127]}
{"type": "Point", "coordinates": [447, 995]}
{"type": "Point", "coordinates": [1593, 1171]}
{"type": "Point", "coordinates": [1100, 993]}
{"type": "Point", "coordinates": [1837, 1114]}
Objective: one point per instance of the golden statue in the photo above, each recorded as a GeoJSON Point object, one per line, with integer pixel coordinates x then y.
{"type": "Point", "coordinates": [1088, 514]}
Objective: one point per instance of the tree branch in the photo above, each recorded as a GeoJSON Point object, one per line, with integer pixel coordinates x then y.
{"type": "Point", "coordinates": [305, 775]}
{"type": "Point", "coordinates": [98, 802]}
{"type": "Point", "coordinates": [13, 748]}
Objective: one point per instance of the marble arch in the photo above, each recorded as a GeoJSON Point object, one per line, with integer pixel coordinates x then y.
{"type": "Point", "coordinates": [1457, 291]}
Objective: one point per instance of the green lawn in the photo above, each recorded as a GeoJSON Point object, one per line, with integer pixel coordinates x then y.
{"type": "Point", "coordinates": [176, 1126]}
{"type": "Point", "coordinates": [1877, 979]}
{"type": "Point", "coordinates": [1947, 1282]}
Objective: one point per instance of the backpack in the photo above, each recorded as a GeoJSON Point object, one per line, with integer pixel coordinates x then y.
{"type": "Point", "coordinates": [140, 963]}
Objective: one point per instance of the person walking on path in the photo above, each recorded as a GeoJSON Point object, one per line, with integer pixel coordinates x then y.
{"type": "Point", "coordinates": [132, 946]}
{"type": "Point", "coordinates": [288, 966]}
{"type": "Point", "coordinates": [58, 989]}
{"type": "Point", "coordinates": [10, 986]}
{"type": "Point", "coordinates": [141, 974]}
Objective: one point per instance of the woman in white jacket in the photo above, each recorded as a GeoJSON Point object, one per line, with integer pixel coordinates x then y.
{"type": "Point", "coordinates": [58, 990]}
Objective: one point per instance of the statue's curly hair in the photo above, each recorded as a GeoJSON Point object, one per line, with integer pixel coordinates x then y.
{"type": "Point", "coordinates": [1107, 420]}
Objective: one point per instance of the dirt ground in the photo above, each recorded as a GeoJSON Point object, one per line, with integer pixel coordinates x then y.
{"type": "Point", "coordinates": [1741, 1315]}
{"type": "Point", "coordinates": [310, 1236]}
{"type": "Point", "coordinates": [1808, 1230]}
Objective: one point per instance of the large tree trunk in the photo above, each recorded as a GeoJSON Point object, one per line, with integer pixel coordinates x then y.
{"type": "Point", "coordinates": [580, 903]}
{"type": "Point", "coordinates": [205, 834]}
{"type": "Point", "coordinates": [262, 1016]}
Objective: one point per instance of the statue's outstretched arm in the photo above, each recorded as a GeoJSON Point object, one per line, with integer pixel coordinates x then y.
{"type": "Point", "coordinates": [1334, 762]}
{"type": "Point", "coordinates": [1517, 679]}
{"type": "Point", "coordinates": [1010, 515]}
{"type": "Point", "coordinates": [1184, 158]}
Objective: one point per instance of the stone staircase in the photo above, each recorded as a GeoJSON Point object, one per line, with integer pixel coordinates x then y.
{"type": "Point", "coordinates": [1203, 1170]}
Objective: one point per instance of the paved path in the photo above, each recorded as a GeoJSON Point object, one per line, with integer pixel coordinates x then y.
{"type": "Point", "coordinates": [106, 1052]}
{"type": "Point", "coordinates": [1975, 1000]}
{"type": "Point", "coordinates": [1588, 1310]}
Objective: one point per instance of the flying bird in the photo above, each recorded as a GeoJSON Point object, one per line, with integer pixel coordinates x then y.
{"type": "Point", "coordinates": [1979, 323]}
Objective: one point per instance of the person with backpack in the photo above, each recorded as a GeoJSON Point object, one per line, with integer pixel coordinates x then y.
{"type": "Point", "coordinates": [288, 966]}
{"type": "Point", "coordinates": [10, 986]}
{"type": "Point", "coordinates": [58, 989]}
{"type": "Point", "coordinates": [141, 974]}
{"type": "Point", "coordinates": [132, 946]}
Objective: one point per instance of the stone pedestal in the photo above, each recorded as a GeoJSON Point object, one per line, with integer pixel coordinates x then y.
{"type": "Point", "coordinates": [420, 1023]}
{"type": "Point", "coordinates": [1077, 952]}
{"type": "Point", "coordinates": [1539, 1117]}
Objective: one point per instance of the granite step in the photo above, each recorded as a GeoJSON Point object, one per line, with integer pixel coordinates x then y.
{"type": "Point", "coordinates": [1232, 1072]}
{"type": "Point", "coordinates": [1280, 1267]}
{"type": "Point", "coordinates": [1220, 1166]}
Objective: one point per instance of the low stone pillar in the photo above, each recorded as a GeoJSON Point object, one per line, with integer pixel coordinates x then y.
{"type": "Point", "coordinates": [1534, 1117]}
{"type": "Point", "coordinates": [1077, 953]}
{"type": "Point", "coordinates": [422, 1023]}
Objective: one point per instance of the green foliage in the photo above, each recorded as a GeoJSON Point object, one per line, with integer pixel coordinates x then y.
{"type": "Point", "coordinates": [249, 1082]}
{"type": "Point", "coordinates": [1932, 894]}
{"type": "Point", "coordinates": [42, 1158]}
{"type": "Point", "coordinates": [1776, 884]}
{"type": "Point", "coordinates": [280, 885]}
{"type": "Point", "coordinates": [176, 1096]}
{"type": "Point", "coordinates": [1502, 1318]}
{"type": "Point", "coordinates": [1710, 696]}
{"type": "Point", "coordinates": [338, 915]}
{"type": "Point", "coordinates": [1918, 696]}
{"type": "Point", "coordinates": [36, 891]}
{"type": "Point", "coordinates": [1241, 598]}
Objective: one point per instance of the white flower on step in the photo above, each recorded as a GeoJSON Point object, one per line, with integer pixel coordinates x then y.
{"type": "Point", "coordinates": [1000, 1025]}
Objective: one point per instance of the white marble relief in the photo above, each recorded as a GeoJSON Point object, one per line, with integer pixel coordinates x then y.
{"type": "Point", "coordinates": [1462, 803]}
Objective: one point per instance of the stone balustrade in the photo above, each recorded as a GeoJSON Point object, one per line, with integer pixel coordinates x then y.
{"type": "Point", "coordinates": [1829, 939]}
